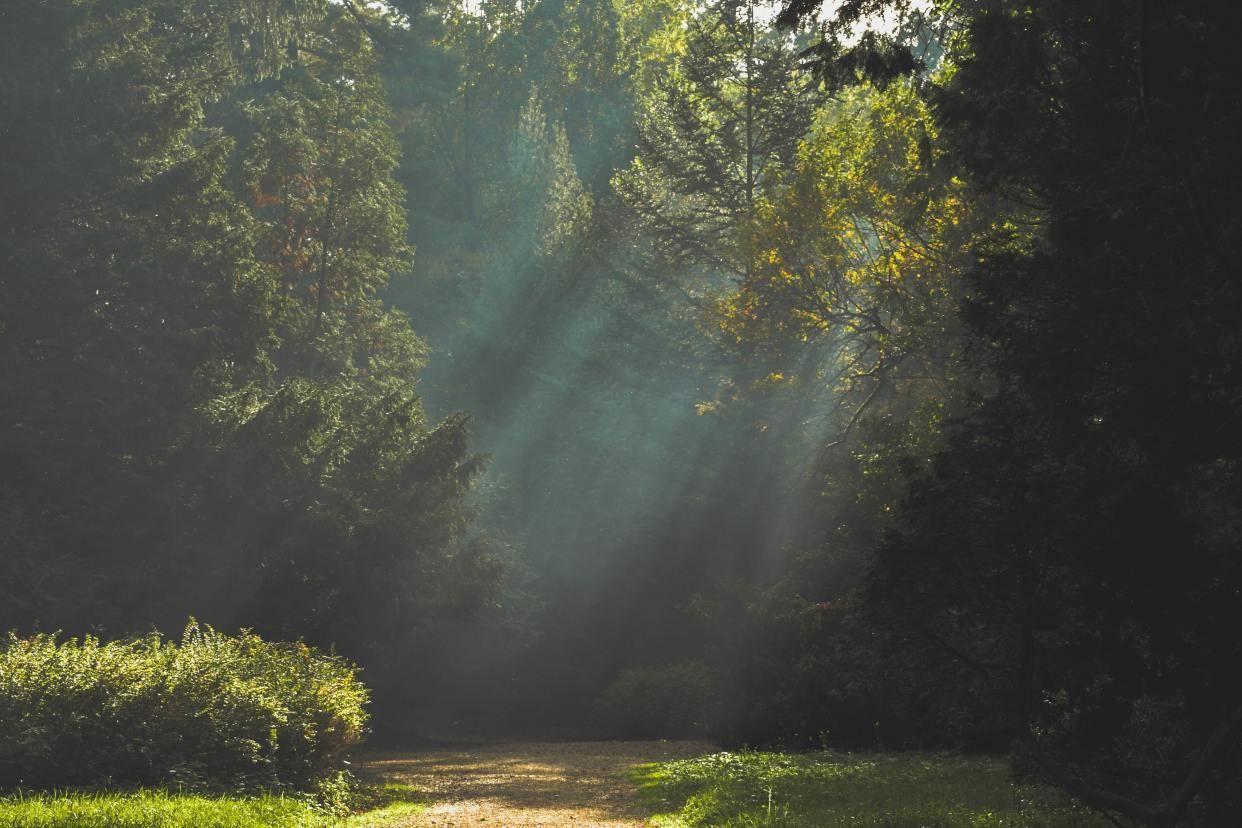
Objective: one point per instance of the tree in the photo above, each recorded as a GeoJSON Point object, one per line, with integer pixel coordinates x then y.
{"type": "Point", "coordinates": [1072, 550]}
{"type": "Point", "coordinates": [125, 262]}
{"type": "Point", "coordinates": [225, 423]}
{"type": "Point", "coordinates": [857, 256]}
{"type": "Point", "coordinates": [716, 131]}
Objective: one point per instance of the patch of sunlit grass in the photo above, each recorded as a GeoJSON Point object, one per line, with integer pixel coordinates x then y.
{"type": "Point", "coordinates": [382, 806]}
{"type": "Point", "coordinates": [813, 790]}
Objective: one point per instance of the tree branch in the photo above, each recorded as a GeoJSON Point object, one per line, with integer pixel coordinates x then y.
{"type": "Point", "coordinates": [1164, 816]}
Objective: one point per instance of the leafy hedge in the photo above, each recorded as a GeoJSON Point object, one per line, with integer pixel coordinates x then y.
{"type": "Point", "coordinates": [213, 709]}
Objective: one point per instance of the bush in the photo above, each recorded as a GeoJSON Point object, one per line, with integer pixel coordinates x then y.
{"type": "Point", "coordinates": [665, 702]}
{"type": "Point", "coordinates": [214, 709]}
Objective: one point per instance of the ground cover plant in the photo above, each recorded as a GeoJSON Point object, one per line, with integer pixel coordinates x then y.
{"type": "Point", "coordinates": [209, 709]}
{"type": "Point", "coordinates": [726, 790]}
{"type": "Point", "coordinates": [155, 808]}
{"type": "Point", "coordinates": [164, 809]}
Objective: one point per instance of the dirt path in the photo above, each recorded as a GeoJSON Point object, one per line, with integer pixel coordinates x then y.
{"type": "Point", "coordinates": [530, 784]}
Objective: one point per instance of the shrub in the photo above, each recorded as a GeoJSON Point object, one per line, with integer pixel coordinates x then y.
{"type": "Point", "coordinates": [666, 701]}
{"type": "Point", "coordinates": [213, 709]}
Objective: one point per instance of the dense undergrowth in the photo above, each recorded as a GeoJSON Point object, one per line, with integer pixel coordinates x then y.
{"type": "Point", "coordinates": [748, 789]}
{"type": "Point", "coordinates": [212, 709]}
{"type": "Point", "coordinates": [671, 701]}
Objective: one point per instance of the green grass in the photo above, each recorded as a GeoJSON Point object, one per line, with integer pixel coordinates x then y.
{"type": "Point", "coordinates": [163, 809]}
{"type": "Point", "coordinates": [822, 790]}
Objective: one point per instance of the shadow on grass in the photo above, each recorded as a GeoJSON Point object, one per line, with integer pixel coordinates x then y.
{"type": "Point", "coordinates": [732, 790]}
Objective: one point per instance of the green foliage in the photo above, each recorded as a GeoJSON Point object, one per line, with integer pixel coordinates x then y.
{"type": "Point", "coordinates": [737, 790]}
{"type": "Point", "coordinates": [1068, 554]}
{"type": "Point", "coordinates": [319, 169]}
{"type": "Point", "coordinates": [203, 207]}
{"type": "Point", "coordinates": [714, 132]}
{"type": "Point", "coordinates": [674, 700]}
{"type": "Point", "coordinates": [210, 709]}
{"type": "Point", "coordinates": [857, 255]}
{"type": "Point", "coordinates": [627, 214]}
{"type": "Point", "coordinates": [159, 808]}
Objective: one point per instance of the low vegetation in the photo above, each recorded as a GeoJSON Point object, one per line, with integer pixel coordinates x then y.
{"type": "Point", "coordinates": [163, 809]}
{"type": "Point", "coordinates": [155, 808]}
{"type": "Point", "coordinates": [212, 709]}
{"type": "Point", "coordinates": [727, 790]}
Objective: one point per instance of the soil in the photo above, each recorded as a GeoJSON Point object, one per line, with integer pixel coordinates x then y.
{"type": "Point", "coordinates": [531, 783]}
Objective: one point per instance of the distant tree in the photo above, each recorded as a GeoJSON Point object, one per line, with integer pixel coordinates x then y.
{"type": "Point", "coordinates": [848, 322]}
{"type": "Point", "coordinates": [319, 170]}
{"type": "Point", "coordinates": [714, 132]}
{"type": "Point", "coordinates": [857, 256]}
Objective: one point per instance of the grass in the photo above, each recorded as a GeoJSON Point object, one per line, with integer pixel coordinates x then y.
{"type": "Point", "coordinates": [386, 806]}
{"type": "Point", "coordinates": [819, 790]}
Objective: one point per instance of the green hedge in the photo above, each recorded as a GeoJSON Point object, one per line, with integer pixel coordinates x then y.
{"type": "Point", "coordinates": [213, 709]}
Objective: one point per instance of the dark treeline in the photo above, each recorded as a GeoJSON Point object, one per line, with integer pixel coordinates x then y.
{"type": "Point", "coordinates": [208, 406]}
{"type": "Point", "coordinates": [863, 376]}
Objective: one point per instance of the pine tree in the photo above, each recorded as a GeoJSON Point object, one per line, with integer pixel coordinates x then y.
{"type": "Point", "coordinates": [207, 406]}
{"type": "Point", "coordinates": [715, 133]}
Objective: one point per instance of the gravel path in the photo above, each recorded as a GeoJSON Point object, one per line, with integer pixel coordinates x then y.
{"type": "Point", "coordinates": [531, 783]}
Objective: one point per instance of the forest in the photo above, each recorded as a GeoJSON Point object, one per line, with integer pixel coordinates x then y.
{"type": "Point", "coordinates": [826, 405]}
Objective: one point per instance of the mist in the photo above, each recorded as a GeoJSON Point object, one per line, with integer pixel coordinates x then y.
{"type": "Point", "coordinates": [617, 385]}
